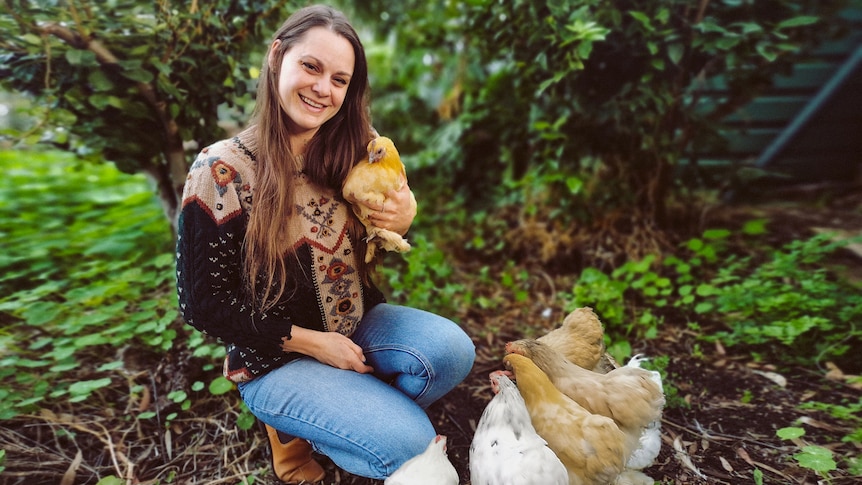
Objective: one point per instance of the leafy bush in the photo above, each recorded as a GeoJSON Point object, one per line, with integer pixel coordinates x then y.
{"type": "Point", "coordinates": [791, 299]}
{"type": "Point", "coordinates": [784, 302]}
{"type": "Point", "coordinates": [849, 411]}
{"type": "Point", "coordinates": [129, 81]}
{"type": "Point", "coordinates": [87, 270]}
{"type": "Point", "coordinates": [423, 279]}
{"type": "Point", "coordinates": [607, 94]}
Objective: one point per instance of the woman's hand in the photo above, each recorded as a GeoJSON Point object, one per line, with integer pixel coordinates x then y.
{"type": "Point", "coordinates": [396, 213]}
{"type": "Point", "coordinates": [330, 348]}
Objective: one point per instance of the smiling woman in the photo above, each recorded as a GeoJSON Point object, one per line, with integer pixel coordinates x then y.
{"type": "Point", "coordinates": [267, 262]}
{"type": "Point", "coordinates": [313, 80]}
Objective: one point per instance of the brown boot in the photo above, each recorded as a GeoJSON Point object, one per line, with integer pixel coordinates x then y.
{"type": "Point", "coordinates": [292, 461]}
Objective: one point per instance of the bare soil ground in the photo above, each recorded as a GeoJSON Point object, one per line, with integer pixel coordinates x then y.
{"type": "Point", "coordinates": [721, 429]}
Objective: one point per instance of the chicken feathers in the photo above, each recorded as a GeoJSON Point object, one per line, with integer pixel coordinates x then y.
{"type": "Point", "coordinates": [590, 446]}
{"type": "Point", "coordinates": [506, 450]}
{"type": "Point", "coordinates": [368, 182]}
{"type": "Point", "coordinates": [580, 338]}
{"type": "Point", "coordinates": [431, 467]}
{"type": "Point", "coordinates": [649, 443]}
{"type": "Point", "coordinates": [629, 395]}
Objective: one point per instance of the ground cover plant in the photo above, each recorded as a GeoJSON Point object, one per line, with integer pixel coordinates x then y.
{"type": "Point", "coordinates": [546, 160]}
{"type": "Point", "coordinates": [101, 383]}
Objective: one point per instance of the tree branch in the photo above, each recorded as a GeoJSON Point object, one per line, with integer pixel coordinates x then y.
{"type": "Point", "coordinates": [173, 151]}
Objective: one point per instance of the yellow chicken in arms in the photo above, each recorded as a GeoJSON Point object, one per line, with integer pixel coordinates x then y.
{"type": "Point", "coordinates": [368, 183]}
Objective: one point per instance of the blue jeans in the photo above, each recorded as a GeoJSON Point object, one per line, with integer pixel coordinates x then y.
{"type": "Point", "coordinates": [369, 424]}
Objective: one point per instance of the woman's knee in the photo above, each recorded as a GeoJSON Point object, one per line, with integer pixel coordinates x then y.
{"type": "Point", "coordinates": [459, 350]}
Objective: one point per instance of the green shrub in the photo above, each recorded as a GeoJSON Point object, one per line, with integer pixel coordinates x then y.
{"type": "Point", "coordinates": [87, 269]}
{"type": "Point", "coordinates": [790, 304]}
{"type": "Point", "coordinates": [784, 302]}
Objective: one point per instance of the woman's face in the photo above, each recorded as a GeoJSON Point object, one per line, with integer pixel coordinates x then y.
{"type": "Point", "coordinates": [313, 81]}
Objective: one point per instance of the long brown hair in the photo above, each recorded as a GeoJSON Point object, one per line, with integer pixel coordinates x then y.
{"type": "Point", "coordinates": [329, 156]}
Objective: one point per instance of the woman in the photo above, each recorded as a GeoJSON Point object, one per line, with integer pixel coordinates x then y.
{"type": "Point", "coordinates": [270, 260]}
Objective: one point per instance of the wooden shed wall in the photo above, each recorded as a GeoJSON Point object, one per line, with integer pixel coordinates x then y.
{"type": "Point", "coordinates": [808, 125]}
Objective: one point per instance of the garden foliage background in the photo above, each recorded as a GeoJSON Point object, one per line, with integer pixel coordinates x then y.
{"type": "Point", "coordinates": [553, 147]}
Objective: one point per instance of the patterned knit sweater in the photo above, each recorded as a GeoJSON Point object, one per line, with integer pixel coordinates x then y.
{"type": "Point", "coordinates": [329, 296]}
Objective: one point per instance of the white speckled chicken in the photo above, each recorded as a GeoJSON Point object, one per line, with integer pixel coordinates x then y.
{"type": "Point", "coordinates": [591, 446]}
{"type": "Point", "coordinates": [506, 450]}
{"type": "Point", "coordinates": [431, 467]}
{"type": "Point", "coordinates": [649, 443]}
{"type": "Point", "coordinates": [629, 395]}
{"type": "Point", "coordinates": [369, 181]}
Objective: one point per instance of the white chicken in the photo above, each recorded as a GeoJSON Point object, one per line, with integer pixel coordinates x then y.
{"type": "Point", "coordinates": [431, 467]}
{"type": "Point", "coordinates": [649, 443]}
{"type": "Point", "coordinates": [506, 450]}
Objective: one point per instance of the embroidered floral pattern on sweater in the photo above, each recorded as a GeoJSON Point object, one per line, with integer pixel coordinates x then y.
{"type": "Point", "coordinates": [214, 198]}
{"type": "Point", "coordinates": [339, 290]}
{"type": "Point", "coordinates": [322, 222]}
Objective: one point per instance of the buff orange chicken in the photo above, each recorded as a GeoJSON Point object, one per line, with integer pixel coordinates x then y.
{"type": "Point", "coordinates": [580, 339]}
{"type": "Point", "coordinates": [368, 182]}
{"type": "Point", "coordinates": [591, 446]}
{"type": "Point", "coordinates": [629, 395]}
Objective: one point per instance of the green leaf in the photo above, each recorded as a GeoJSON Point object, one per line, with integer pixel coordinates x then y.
{"type": "Point", "coordinates": [245, 421]}
{"type": "Point", "coordinates": [749, 27]}
{"type": "Point", "coordinates": [178, 396]}
{"type": "Point", "coordinates": [643, 19]}
{"type": "Point", "coordinates": [816, 458]}
{"type": "Point", "coordinates": [716, 234]}
{"type": "Point", "coordinates": [705, 289]}
{"type": "Point", "coordinates": [765, 50]}
{"type": "Point", "coordinates": [727, 43]}
{"type": "Point", "coordinates": [85, 388]}
{"type": "Point", "coordinates": [139, 75]}
{"type": "Point", "coordinates": [695, 244]}
{"type": "Point", "coordinates": [797, 22]}
{"type": "Point", "coordinates": [111, 480]}
{"type": "Point", "coordinates": [703, 307]}
{"type": "Point", "coordinates": [78, 57]}
{"type": "Point", "coordinates": [99, 81]}
{"type": "Point", "coordinates": [675, 52]}
{"type": "Point", "coordinates": [790, 433]}
{"type": "Point", "coordinates": [754, 227]}
{"type": "Point", "coordinates": [220, 385]}
{"type": "Point", "coordinates": [91, 339]}
{"type": "Point", "coordinates": [117, 364]}
{"type": "Point", "coordinates": [41, 313]}
{"type": "Point", "coordinates": [574, 184]}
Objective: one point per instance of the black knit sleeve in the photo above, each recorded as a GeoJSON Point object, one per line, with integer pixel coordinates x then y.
{"type": "Point", "coordinates": [209, 260]}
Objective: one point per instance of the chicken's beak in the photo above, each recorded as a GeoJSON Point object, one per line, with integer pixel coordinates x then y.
{"type": "Point", "coordinates": [375, 155]}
